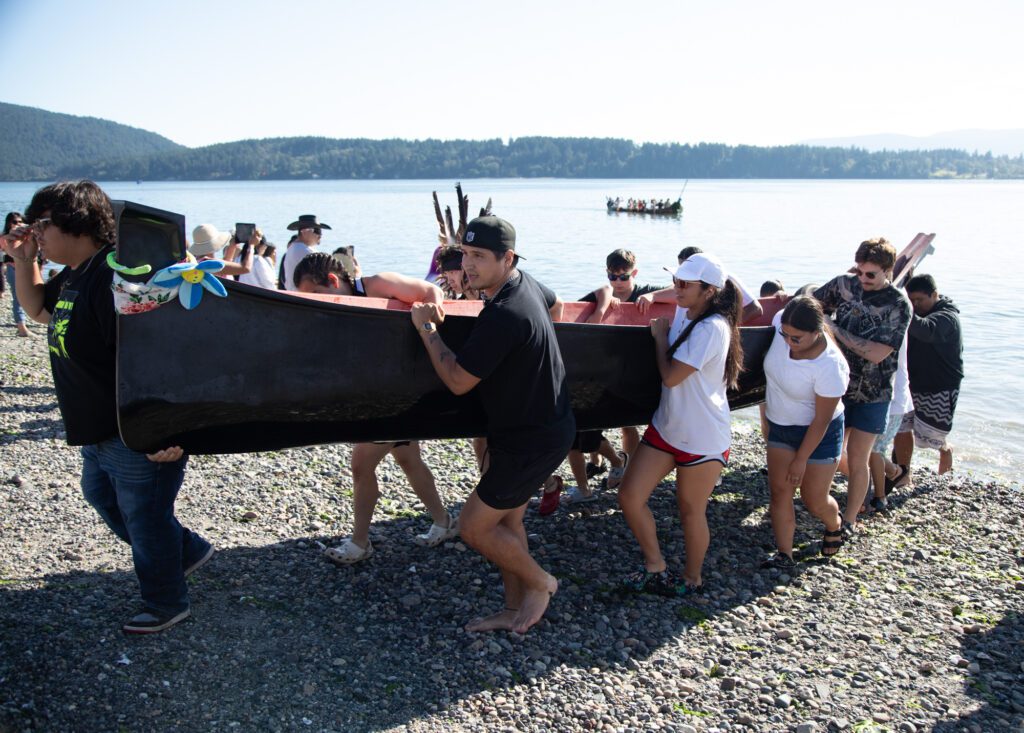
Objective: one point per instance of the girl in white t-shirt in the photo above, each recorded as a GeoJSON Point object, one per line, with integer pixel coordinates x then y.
{"type": "Point", "coordinates": [698, 355]}
{"type": "Point", "coordinates": [807, 377]}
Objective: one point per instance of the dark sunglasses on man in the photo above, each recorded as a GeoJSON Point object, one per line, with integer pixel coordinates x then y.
{"type": "Point", "coordinates": [612, 277]}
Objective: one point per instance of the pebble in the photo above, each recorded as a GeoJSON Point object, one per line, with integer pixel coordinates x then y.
{"type": "Point", "coordinates": [381, 646]}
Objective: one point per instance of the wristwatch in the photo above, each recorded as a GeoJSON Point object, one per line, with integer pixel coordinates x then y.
{"type": "Point", "coordinates": [429, 327]}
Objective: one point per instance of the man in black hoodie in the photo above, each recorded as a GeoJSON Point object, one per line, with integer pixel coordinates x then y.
{"type": "Point", "coordinates": [936, 366]}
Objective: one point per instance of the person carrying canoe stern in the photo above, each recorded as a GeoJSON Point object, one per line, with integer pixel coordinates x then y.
{"type": "Point", "coordinates": [512, 358]}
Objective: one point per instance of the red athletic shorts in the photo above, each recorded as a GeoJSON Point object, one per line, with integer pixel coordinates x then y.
{"type": "Point", "coordinates": [683, 459]}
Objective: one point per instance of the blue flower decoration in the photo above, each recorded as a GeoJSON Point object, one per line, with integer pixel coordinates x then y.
{"type": "Point", "coordinates": [192, 278]}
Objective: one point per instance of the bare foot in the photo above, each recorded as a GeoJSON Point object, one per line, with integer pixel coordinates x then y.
{"type": "Point", "coordinates": [534, 604]}
{"type": "Point", "coordinates": [500, 621]}
{"type": "Point", "coordinates": [945, 460]}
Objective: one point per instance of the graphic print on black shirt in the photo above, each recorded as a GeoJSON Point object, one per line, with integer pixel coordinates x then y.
{"type": "Point", "coordinates": [57, 330]}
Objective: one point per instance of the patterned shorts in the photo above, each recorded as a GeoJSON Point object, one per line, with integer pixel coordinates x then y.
{"type": "Point", "coordinates": [931, 420]}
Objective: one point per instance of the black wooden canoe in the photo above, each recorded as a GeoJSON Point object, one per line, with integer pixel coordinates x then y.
{"type": "Point", "coordinates": [265, 370]}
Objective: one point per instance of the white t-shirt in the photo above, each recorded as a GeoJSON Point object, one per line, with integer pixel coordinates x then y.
{"type": "Point", "coordinates": [745, 297]}
{"type": "Point", "coordinates": [793, 384]}
{"type": "Point", "coordinates": [262, 273]}
{"type": "Point", "coordinates": [902, 402]}
{"type": "Point", "coordinates": [292, 257]}
{"type": "Point", "coordinates": [693, 416]}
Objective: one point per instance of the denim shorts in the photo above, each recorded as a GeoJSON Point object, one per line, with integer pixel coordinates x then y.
{"type": "Point", "coordinates": [868, 417]}
{"type": "Point", "coordinates": [789, 437]}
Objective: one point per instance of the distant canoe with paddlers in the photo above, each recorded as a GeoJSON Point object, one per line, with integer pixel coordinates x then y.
{"type": "Point", "coordinates": [631, 206]}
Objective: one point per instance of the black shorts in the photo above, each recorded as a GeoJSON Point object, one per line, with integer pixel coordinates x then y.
{"type": "Point", "coordinates": [512, 478]}
{"type": "Point", "coordinates": [588, 441]}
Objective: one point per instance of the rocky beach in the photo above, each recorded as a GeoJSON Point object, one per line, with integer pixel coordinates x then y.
{"type": "Point", "coordinates": [917, 625]}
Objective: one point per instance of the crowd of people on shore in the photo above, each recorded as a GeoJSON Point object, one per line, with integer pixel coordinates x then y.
{"type": "Point", "coordinates": [857, 373]}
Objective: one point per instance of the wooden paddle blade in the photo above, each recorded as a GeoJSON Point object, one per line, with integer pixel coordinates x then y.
{"type": "Point", "coordinates": [463, 212]}
{"type": "Point", "coordinates": [451, 227]}
{"type": "Point", "coordinates": [442, 235]}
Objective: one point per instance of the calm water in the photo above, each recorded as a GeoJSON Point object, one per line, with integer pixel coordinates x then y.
{"type": "Point", "coordinates": [799, 231]}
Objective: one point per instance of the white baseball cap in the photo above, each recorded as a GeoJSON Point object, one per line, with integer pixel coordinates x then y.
{"type": "Point", "coordinates": [703, 267]}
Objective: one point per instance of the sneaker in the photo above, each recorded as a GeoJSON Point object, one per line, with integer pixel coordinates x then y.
{"type": "Point", "coordinates": [151, 621]}
{"type": "Point", "coordinates": [617, 472]}
{"type": "Point", "coordinates": [661, 584]}
{"type": "Point", "coordinates": [438, 534]}
{"type": "Point", "coordinates": [348, 552]}
{"type": "Point", "coordinates": [779, 561]}
{"type": "Point", "coordinates": [550, 499]}
{"type": "Point", "coordinates": [200, 562]}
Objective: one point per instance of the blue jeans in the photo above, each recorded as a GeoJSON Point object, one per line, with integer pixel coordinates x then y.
{"type": "Point", "coordinates": [19, 312]}
{"type": "Point", "coordinates": [135, 497]}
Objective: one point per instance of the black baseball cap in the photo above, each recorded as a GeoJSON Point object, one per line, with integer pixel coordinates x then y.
{"type": "Point", "coordinates": [490, 232]}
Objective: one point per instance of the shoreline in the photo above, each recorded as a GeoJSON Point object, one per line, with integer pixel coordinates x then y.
{"type": "Point", "coordinates": [917, 625]}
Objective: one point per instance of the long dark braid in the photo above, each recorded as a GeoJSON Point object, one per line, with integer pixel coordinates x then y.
{"type": "Point", "coordinates": [726, 302]}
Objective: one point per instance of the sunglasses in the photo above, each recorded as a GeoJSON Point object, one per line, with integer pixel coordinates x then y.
{"type": "Point", "coordinates": [41, 224]}
{"type": "Point", "coordinates": [612, 277]}
{"type": "Point", "coordinates": [682, 284]}
{"type": "Point", "coordinates": [869, 275]}
{"type": "Point", "coordinates": [317, 232]}
{"type": "Point", "coordinates": [790, 338]}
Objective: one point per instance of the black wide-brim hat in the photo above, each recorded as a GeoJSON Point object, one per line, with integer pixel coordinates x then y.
{"type": "Point", "coordinates": [307, 221]}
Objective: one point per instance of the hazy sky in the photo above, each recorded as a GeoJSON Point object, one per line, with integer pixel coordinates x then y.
{"type": "Point", "coordinates": [733, 71]}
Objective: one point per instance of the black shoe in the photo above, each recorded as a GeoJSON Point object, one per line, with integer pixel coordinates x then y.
{"type": "Point", "coordinates": [880, 505]}
{"type": "Point", "coordinates": [661, 584]}
{"type": "Point", "coordinates": [150, 621]}
{"type": "Point", "coordinates": [596, 469]}
{"type": "Point", "coordinates": [779, 561]}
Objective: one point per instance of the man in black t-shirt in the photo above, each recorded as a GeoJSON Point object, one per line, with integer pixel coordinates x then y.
{"type": "Point", "coordinates": [72, 223]}
{"type": "Point", "coordinates": [512, 359]}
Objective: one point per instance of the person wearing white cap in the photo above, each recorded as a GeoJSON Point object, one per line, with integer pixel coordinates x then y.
{"type": "Point", "coordinates": [750, 310]}
{"type": "Point", "coordinates": [699, 355]}
{"type": "Point", "coordinates": [207, 241]}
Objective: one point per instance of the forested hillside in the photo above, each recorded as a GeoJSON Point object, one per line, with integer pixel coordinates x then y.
{"type": "Point", "coordinates": [36, 144]}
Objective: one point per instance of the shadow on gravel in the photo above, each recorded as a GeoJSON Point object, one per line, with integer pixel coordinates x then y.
{"type": "Point", "coordinates": [997, 681]}
{"type": "Point", "coordinates": [279, 638]}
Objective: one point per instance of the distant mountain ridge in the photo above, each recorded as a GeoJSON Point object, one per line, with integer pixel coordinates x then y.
{"type": "Point", "coordinates": [997, 142]}
{"type": "Point", "coordinates": [35, 143]}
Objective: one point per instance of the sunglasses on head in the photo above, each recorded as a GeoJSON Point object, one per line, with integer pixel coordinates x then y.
{"type": "Point", "coordinates": [612, 277]}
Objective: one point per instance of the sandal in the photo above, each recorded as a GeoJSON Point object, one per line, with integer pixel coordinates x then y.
{"type": "Point", "coordinates": [575, 496]}
{"type": "Point", "coordinates": [890, 483]}
{"type": "Point", "coordinates": [880, 505]}
{"type": "Point", "coordinates": [617, 472]}
{"type": "Point", "coordinates": [833, 540]}
{"type": "Point", "coordinates": [348, 553]}
{"type": "Point", "coordinates": [552, 491]}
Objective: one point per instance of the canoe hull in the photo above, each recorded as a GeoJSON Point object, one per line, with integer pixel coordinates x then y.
{"type": "Point", "coordinates": [262, 370]}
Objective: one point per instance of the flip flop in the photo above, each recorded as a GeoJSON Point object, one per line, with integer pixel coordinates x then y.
{"type": "Point", "coordinates": [575, 496]}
